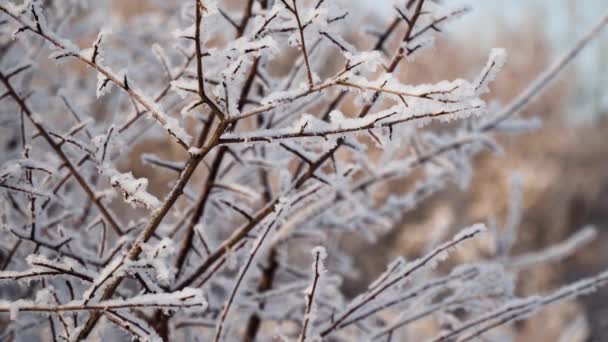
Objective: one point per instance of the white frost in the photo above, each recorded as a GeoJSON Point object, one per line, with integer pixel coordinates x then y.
{"type": "Point", "coordinates": [134, 190]}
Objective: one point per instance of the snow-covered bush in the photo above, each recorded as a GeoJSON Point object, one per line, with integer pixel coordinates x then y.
{"type": "Point", "coordinates": [266, 169]}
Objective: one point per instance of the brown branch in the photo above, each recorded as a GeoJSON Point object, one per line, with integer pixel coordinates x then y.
{"type": "Point", "coordinates": [247, 85]}
{"type": "Point", "coordinates": [138, 114]}
{"type": "Point", "coordinates": [406, 37]}
{"type": "Point", "coordinates": [237, 236]}
{"type": "Point", "coordinates": [271, 106]}
{"type": "Point", "coordinates": [253, 252]}
{"type": "Point", "coordinates": [303, 45]}
{"type": "Point", "coordinates": [242, 232]}
{"type": "Point", "coordinates": [334, 131]}
{"type": "Point", "coordinates": [157, 218]}
{"type": "Point", "coordinates": [316, 88]}
{"type": "Point", "coordinates": [199, 209]}
{"type": "Point", "coordinates": [265, 283]}
{"type": "Point", "coordinates": [199, 62]}
{"type": "Point", "coordinates": [384, 36]}
{"type": "Point", "coordinates": [310, 295]}
{"type": "Point", "coordinates": [240, 30]}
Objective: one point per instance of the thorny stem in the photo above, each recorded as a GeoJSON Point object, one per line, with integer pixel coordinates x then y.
{"type": "Point", "coordinates": [199, 207]}
{"type": "Point", "coordinates": [199, 56]}
{"type": "Point", "coordinates": [393, 65]}
{"type": "Point", "coordinates": [260, 215]}
{"type": "Point", "coordinates": [157, 218]}
{"type": "Point", "coordinates": [178, 188]}
{"type": "Point", "coordinates": [399, 55]}
{"type": "Point", "coordinates": [199, 64]}
{"type": "Point", "coordinates": [297, 185]}
{"type": "Point", "coordinates": [340, 96]}
{"type": "Point", "coordinates": [334, 82]}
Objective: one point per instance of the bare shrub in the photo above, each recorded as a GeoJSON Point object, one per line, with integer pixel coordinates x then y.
{"type": "Point", "coordinates": [267, 168]}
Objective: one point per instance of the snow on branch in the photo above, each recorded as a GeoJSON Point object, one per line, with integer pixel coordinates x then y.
{"type": "Point", "coordinates": [134, 190]}
{"type": "Point", "coordinates": [400, 272]}
{"type": "Point", "coordinates": [318, 268]}
{"type": "Point", "coordinates": [43, 267]}
{"type": "Point", "coordinates": [65, 48]}
{"type": "Point", "coordinates": [272, 130]}
{"type": "Point", "coordinates": [185, 299]}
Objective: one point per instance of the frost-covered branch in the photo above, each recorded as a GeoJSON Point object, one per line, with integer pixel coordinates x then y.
{"type": "Point", "coordinates": [398, 275]}
{"type": "Point", "coordinates": [36, 121]}
{"type": "Point", "coordinates": [256, 219]}
{"type": "Point", "coordinates": [300, 130]}
{"type": "Point", "coordinates": [185, 299]}
{"type": "Point", "coordinates": [319, 255]}
{"type": "Point", "coordinates": [68, 49]}
{"type": "Point", "coordinates": [521, 308]}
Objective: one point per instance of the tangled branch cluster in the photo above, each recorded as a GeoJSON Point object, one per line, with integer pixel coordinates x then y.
{"type": "Point", "coordinates": [268, 166]}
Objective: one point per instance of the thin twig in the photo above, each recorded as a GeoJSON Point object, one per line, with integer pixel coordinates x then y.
{"type": "Point", "coordinates": [544, 80]}
{"type": "Point", "coordinates": [310, 293]}
{"type": "Point", "coordinates": [64, 158]}
{"type": "Point", "coordinates": [303, 45]}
